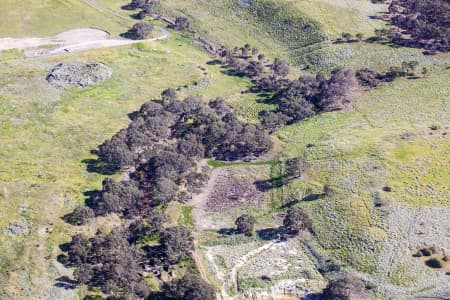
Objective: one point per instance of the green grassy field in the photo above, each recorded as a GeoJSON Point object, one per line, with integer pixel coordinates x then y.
{"type": "Point", "coordinates": [338, 16]}
{"type": "Point", "coordinates": [384, 141]}
{"type": "Point", "coordinates": [49, 17]}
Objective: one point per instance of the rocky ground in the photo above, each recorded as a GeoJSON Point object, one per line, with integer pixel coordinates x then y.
{"type": "Point", "coordinates": [78, 74]}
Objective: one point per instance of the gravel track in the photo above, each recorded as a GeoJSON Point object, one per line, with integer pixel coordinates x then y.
{"type": "Point", "coordinates": [71, 41]}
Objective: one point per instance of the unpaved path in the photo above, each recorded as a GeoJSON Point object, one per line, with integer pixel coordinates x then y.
{"type": "Point", "coordinates": [244, 259]}
{"type": "Point", "coordinates": [70, 41]}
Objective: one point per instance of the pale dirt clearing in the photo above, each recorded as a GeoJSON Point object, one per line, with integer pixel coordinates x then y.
{"type": "Point", "coordinates": [70, 41]}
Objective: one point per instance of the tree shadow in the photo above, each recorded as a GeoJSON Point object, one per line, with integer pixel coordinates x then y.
{"type": "Point", "coordinates": [64, 247]}
{"type": "Point", "coordinates": [231, 72]}
{"type": "Point", "coordinates": [66, 283]}
{"type": "Point", "coordinates": [313, 296]}
{"type": "Point", "coordinates": [133, 115]}
{"type": "Point", "coordinates": [266, 98]}
{"type": "Point", "coordinates": [138, 16]}
{"type": "Point", "coordinates": [156, 295]}
{"type": "Point", "coordinates": [307, 198]}
{"type": "Point", "coordinates": [272, 183]}
{"type": "Point", "coordinates": [128, 6]}
{"type": "Point", "coordinates": [214, 62]}
{"type": "Point", "coordinates": [227, 231]}
{"type": "Point", "coordinates": [63, 259]}
{"type": "Point", "coordinates": [269, 234]}
{"type": "Point", "coordinates": [97, 166]}
{"type": "Point", "coordinates": [155, 255]}
{"type": "Point", "coordinates": [70, 219]}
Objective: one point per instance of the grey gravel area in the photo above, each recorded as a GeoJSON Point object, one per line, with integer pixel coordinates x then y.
{"type": "Point", "coordinates": [78, 74]}
{"type": "Point", "coordinates": [18, 228]}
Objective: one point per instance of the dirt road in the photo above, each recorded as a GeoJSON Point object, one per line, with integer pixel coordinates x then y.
{"type": "Point", "coordinates": [70, 41]}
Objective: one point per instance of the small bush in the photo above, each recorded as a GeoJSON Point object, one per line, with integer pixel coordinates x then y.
{"type": "Point", "coordinates": [435, 127]}
{"type": "Point", "coordinates": [418, 254]}
{"type": "Point", "coordinates": [435, 263]}
{"type": "Point", "coordinates": [387, 189]}
{"type": "Point", "coordinates": [426, 252]}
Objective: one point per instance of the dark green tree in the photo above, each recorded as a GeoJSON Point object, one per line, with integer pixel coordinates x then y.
{"type": "Point", "coordinates": [296, 219]}
{"type": "Point", "coordinates": [245, 224]}
{"type": "Point", "coordinates": [189, 287]}
{"type": "Point", "coordinates": [177, 243]}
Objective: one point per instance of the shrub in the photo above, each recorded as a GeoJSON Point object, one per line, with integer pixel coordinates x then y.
{"type": "Point", "coordinates": [80, 215]}
{"type": "Point", "coordinates": [435, 127]}
{"type": "Point", "coordinates": [426, 252]}
{"type": "Point", "coordinates": [181, 23]}
{"type": "Point", "coordinates": [387, 189]}
{"type": "Point", "coordinates": [346, 287]}
{"type": "Point", "coordinates": [418, 254]}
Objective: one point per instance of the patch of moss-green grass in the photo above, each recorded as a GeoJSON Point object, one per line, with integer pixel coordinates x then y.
{"type": "Point", "coordinates": [20, 18]}
{"type": "Point", "coordinates": [185, 218]}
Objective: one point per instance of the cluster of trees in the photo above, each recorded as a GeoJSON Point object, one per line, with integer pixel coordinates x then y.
{"type": "Point", "coordinates": [115, 262]}
{"type": "Point", "coordinates": [147, 7]}
{"type": "Point", "coordinates": [245, 224]}
{"type": "Point", "coordinates": [307, 96]}
{"type": "Point", "coordinates": [370, 78]}
{"type": "Point", "coordinates": [295, 220]}
{"type": "Point", "coordinates": [297, 99]}
{"type": "Point", "coordinates": [108, 262]}
{"type": "Point", "coordinates": [163, 143]}
{"type": "Point", "coordinates": [247, 61]}
{"type": "Point", "coordinates": [425, 22]}
{"type": "Point", "coordinates": [160, 148]}
{"type": "Point", "coordinates": [295, 167]}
